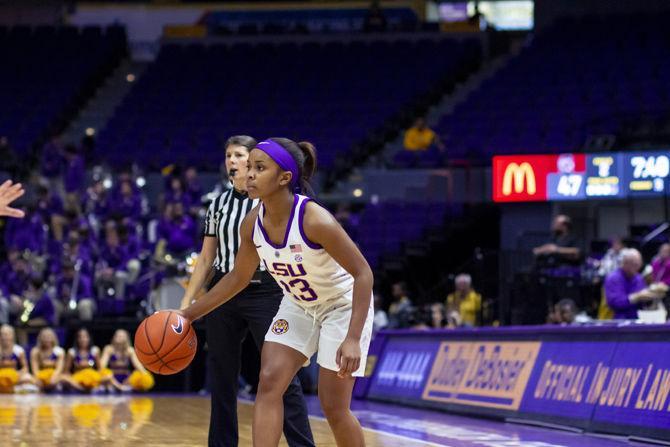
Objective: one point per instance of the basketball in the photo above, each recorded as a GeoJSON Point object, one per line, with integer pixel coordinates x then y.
{"type": "Point", "coordinates": [165, 343]}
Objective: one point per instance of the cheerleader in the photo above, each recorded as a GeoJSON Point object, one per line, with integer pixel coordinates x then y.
{"type": "Point", "coordinates": [13, 358]}
{"type": "Point", "coordinates": [47, 360]}
{"type": "Point", "coordinates": [118, 357]}
{"type": "Point", "coordinates": [81, 363]}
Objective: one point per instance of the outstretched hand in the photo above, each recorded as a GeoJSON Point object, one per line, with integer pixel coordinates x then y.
{"type": "Point", "coordinates": [8, 193]}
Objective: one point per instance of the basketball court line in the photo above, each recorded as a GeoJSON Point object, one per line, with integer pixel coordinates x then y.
{"type": "Point", "coordinates": [414, 441]}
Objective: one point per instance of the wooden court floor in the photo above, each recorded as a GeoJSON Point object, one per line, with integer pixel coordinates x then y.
{"type": "Point", "coordinates": [38, 420]}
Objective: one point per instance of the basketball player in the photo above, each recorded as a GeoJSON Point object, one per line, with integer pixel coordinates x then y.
{"type": "Point", "coordinates": [251, 311]}
{"type": "Point", "coordinates": [8, 193]}
{"type": "Point", "coordinates": [327, 304]}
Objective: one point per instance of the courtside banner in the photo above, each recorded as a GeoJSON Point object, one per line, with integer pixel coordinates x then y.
{"type": "Point", "coordinates": [567, 380]}
{"type": "Point", "coordinates": [403, 367]}
{"type": "Point", "coordinates": [604, 379]}
{"type": "Point", "coordinates": [483, 374]}
{"type": "Point", "coordinates": [633, 390]}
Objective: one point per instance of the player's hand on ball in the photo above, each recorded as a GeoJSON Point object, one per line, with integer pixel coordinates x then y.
{"type": "Point", "coordinates": [348, 357]}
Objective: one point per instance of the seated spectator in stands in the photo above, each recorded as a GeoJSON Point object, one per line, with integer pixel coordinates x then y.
{"type": "Point", "coordinates": [127, 203]}
{"type": "Point", "coordinates": [74, 177]}
{"type": "Point", "coordinates": [438, 314]}
{"type": "Point", "coordinates": [36, 298]}
{"type": "Point", "coordinates": [566, 312]}
{"type": "Point", "coordinates": [420, 137]}
{"type": "Point", "coordinates": [26, 234]}
{"type": "Point", "coordinates": [47, 359]}
{"type": "Point", "coordinates": [118, 266]}
{"type": "Point", "coordinates": [464, 301]}
{"type": "Point", "coordinates": [661, 265]}
{"type": "Point", "coordinates": [193, 189]}
{"type": "Point", "coordinates": [50, 206]}
{"type": "Point", "coordinates": [381, 320]}
{"type": "Point", "coordinates": [13, 356]}
{"type": "Point", "coordinates": [17, 275]}
{"type": "Point", "coordinates": [176, 232]}
{"type": "Point", "coordinates": [375, 21]}
{"type": "Point", "coordinates": [401, 307]}
{"type": "Point", "coordinates": [177, 193]}
{"type": "Point", "coordinates": [420, 318]}
{"type": "Point", "coordinates": [626, 290]}
{"type": "Point", "coordinates": [562, 248]}
{"type": "Point", "coordinates": [74, 251]}
{"type": "Point", "coordinates": [74, 293]}
{"type": "Point", "coordinates": [96, 203]}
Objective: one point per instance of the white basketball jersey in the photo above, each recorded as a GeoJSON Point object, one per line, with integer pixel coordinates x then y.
{"type": "Point", "coordinates": [306, 272]}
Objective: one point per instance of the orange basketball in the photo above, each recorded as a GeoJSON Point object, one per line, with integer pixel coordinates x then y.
{"type": "Point", "coordinates": [165, 342]}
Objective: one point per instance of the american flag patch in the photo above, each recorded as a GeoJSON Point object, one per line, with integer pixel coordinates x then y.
{"type": "Point", "coordinates": [296, 248]}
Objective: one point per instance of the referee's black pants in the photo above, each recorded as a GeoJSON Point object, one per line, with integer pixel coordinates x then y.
{"type": "Point", "coordinates": [252, 310]}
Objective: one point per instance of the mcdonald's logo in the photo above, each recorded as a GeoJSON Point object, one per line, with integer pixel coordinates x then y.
{"type": "Point", "coordinates": [519, 178]}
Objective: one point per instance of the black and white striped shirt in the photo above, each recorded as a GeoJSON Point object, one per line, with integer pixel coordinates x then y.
{"type": "Point", "coordinates": [223, 221]}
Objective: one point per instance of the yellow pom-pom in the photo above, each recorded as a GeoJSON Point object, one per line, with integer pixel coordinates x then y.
{"type": "Point", "coordinates": [45, 375]}
{"type": "Point", "coordinates": [141, 381]}
{"type": "Point", "coordinates": [8, 378]}
{"type": "Point", "coordinates": [106, 373]}
{"type": "Point", "coordinates": [87, 378]}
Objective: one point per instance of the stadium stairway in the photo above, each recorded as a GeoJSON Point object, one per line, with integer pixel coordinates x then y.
{"type": "Point", "coordinates": [96, 113]}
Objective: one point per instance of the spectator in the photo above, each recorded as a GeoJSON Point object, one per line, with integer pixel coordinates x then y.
{"type": "Point", "coordinates": [177, 193]}
{"type": "Point", "coordinates": [420, 137]}
{"type": "Point", "coordinates": [35, 298]}
{"type": "Point", "coordinates": [401, 307]}
{"type": "Point", "coordinates": [465, 301]}
{"type": "Point", "coordinates": [176, 231]}
{"type": "Point", "coordinates": [661, 265]}
{"type": "Point", "coordinates": [127, 203]}
{"type": "Point", "coordinates": [625, 289]}
{"type": "Point", "coordinates": [193, 189]}
{"type": "Point", "coordinates": [381, 320]}
{"type": "Point", "coordinates": [562, 247]}
{"type": "Point", "coordinates": [74, 178]}
{"type": "Point", "coordinates": [609, 263]}
{"type": "Point", "coordinates": [375, 21]}
{"type": "Point", "coordinates": [438, 314]}
{"type": "Point", "coordinates": [566, 312]}
{"type": "Point", "coordinates": [612, 259]}
{"type": "Point", "coordinates": [50, 207]}
{"type": "Point", "coordinates": [74, 293]}
{"type": "Point", "coordinates": [118, 267]}
{"type": "Point", "coordinates": [96, 202]}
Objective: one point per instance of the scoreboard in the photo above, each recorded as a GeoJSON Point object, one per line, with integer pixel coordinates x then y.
{"type": "Point", "coordinates": [531, 178]}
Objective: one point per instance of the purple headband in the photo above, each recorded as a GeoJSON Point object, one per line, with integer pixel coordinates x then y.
{"type": "Point", "coordinates": [282, 157]}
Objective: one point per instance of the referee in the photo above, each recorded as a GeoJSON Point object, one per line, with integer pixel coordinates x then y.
{"type": "Point", "coordinates": [250, 311]}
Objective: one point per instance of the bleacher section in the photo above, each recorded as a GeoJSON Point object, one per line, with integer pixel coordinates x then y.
{"type": "Point", "coordinates": [578, 78]}
{"type": "Point", "coordinates": [334, 94]}
{"type": "Point", "coordinates": [48, 72]}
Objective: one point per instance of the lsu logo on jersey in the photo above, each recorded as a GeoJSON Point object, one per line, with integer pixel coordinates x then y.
{"type": "Point", "coordinates": [280, 327]}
